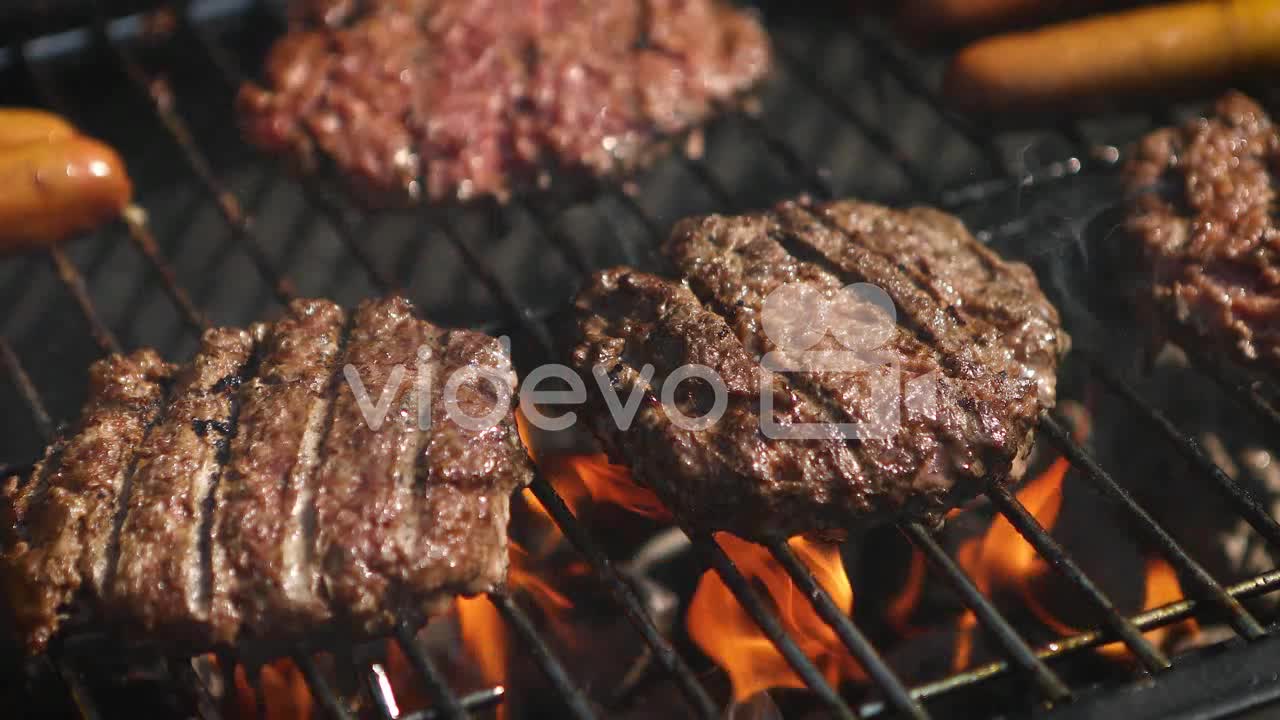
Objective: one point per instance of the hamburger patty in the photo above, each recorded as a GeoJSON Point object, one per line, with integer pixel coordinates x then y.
{"type": "Point", "coordinates": [1202, 210]}
{"type": "Point", "coordinates": [444, 100]}
{"type": "Point", "coordinates": [252, 496]}
{"type": "Point", "coordinates": [947, 354]}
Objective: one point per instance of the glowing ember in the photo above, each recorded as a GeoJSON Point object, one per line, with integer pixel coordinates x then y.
{"type": "Point", "coordinates": [728, 635]}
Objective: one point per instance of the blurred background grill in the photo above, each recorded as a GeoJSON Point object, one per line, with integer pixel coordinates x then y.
{"type": "Point", "coordinates": [848, 112]}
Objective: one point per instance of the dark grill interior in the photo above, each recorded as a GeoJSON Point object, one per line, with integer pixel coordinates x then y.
{"type": "Point", "coordinates": [849, 112]}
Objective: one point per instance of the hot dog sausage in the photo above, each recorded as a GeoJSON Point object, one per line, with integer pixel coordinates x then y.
{"type": "Point", "coordinates": [1135, 52]}
{"type": "Point", "coordinates": [52, 190]}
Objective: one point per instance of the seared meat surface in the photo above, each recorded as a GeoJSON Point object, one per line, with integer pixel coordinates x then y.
{"type": "Point", "coordinates": [257, 494]}
{"type": "Point", "coordinates": [941, 372]}
{"type": "Point", "coordinates": [1202, 210]}
{"type": "Point", "coordinates": [457, 99]}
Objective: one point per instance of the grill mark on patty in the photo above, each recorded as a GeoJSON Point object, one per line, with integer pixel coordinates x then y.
{"type": "Point", "coordinates": [869, 267]}
{"type": "Point", "coordinates": [992, 320]}
{"type": "Point", "coordinates": [222, 456]}
{"type": "Point", "coordinates": [126, 494]}
{"type": "Point", "coordinates": [733, 314]}
{"type": "Point", "coordinates": [734, 278]}
{"type": "Point", "coordinates": [260, 541]}
{"type": "Point", "coordinates": [357, 484]}
{"type": "Point", "coordinates": [308, 511]}
{"type": "Point", "coordinates": [639, 324]}
{"type": "Point", "coordinates": [111, 552]}
{"type": "Point", "coordinates": [158, 577]}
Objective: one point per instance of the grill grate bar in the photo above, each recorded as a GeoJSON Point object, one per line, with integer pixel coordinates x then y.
{"type": "Point", "coordinates": [1240, 619]}
{"type": "Point", "coordinates": [849, 633]}
{"type": "Point", "coordinates": [27, 389]}
{"type": "Point", "coordinates": [135, 223]}
{"type": "Point", "coordinates": [1245, 391]}
{"type": "Point", "coordinates": [625, 596]}
{"type": "Point", "coordinates": [74, 282]}
{"type": "Point", "coordinates": [1148, 620]}
{"type": "Point", "coordinates": [523, 318]}
{"type": "Point", "coordinates": [320, 687]}
{"type": "Point", "coordinates": [146, 244]}
{"type": "Point", "coordinates": [80, 694]}
{"type": "Point", "coordinates": [378, 687]}
{"type": "Point", "coordinates": [447, 703]}
{"type": "Point", "coordinates": [206, 705]}
{"type": "Point", "coordinates": [812, 177]}
{"type": "Point", "coordinates": [1034, 533]}
{"type": "Point", "coordinates": [472, 702]}
{"type": "Point", "coordinates": [887, 56]}
{"type": "Point", "coordinates": [161, 103]}
{"type": "Point", "coordinates": [768, 622]}
{"type": "Point", "coordinates": [1014, 646]}
{"type": "Point", "coordinates": [346, 228]}
{"type": "Point", "coordinates": [1248, 506]}
{"type": "Point", "coordinates": [336, 211]}
{"type": "Point", "coordinates": [881, 139]}
{"type": "Point", "coordinates": [578, 704]}
{"type": "Point", "coordinates": [566, 245]}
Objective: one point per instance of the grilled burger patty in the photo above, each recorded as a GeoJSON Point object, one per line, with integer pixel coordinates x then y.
{"type": "Point", "coordinates": [968, 365]}
{"type": "Point", "coordinates": [243, 496]}
{"type": "Point", "coordinates": [445, 99]}
{"type": "Point", "coordinates": [1202, 210]}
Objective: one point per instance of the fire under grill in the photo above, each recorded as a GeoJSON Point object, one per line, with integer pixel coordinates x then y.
{"type": "Point", "coordinates": [849, 112]}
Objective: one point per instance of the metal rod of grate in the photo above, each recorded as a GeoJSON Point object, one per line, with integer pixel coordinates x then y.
{"type": "Point", "coordinates": [1162, 616]}
{"type": "Point", "coordinates": [1202, 582]}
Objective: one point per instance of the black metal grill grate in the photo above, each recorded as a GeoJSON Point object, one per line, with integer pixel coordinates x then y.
{"type": "Point", "coordinates": [816, 134]}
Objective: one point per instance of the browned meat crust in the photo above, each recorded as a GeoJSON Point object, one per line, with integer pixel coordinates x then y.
{"type": "Point", "coordinates": [449, 99]}
{"type": "Point", "coordinates": [159, 574]}
{"type": "Point", "coordinates": [254, 504]}
{"type": "Point", "coordinates": [969, 365]}
{"type": "Point", "coordinates": [263, 571]}
{"type": "Point", "coordinates": [1202, 208]}
{"type": "Point", "coordinates": [57, 523]}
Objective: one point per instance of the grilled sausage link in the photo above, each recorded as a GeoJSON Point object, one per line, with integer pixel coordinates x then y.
{"type": "Point", "coordinates": [1149, 50]}
{"type": "Point", "coordinates": [20, 126]}
{"type": "Point", "coordinates": [53, 189]}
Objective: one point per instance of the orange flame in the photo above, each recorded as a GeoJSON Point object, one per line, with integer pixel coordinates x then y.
{"type": "Point", "coordinates": [901, 605]}
{"type": "Point", "coordinates": [483, 633]}
{"type": "Point", "coordinates": [1162, 588]}
{"type": "Point", "coordinates": [581, 477]}
{"type": "Point", "coordinates": [1002, 559]}
{"type": "Point", "coordinates": [485, 640]}
{"type": "Point", "coordinates": [281, 693]}
{"type": "Point", "coordinates": [1002, 556]}
{"type": "Point", "coordinates": [728, 635]}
